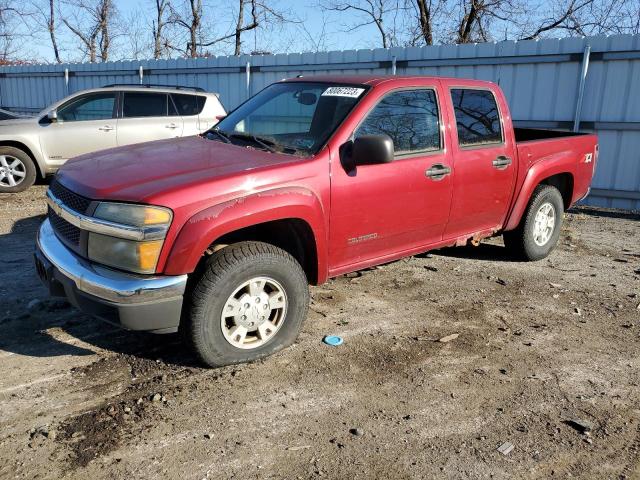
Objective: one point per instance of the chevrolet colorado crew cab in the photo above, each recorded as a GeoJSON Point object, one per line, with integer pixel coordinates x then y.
{"type": "Point", "coordinates": [219, 235]}
{"type": "Point", "coordinates": [98, 119]}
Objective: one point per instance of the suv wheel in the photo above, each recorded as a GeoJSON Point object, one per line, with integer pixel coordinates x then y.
{"type": "Point", "coordinates": [249, 302]}
{"type": "Point", "coordinates": [540, 226]}
{"type": "Point", "coordinates": [17, 171]}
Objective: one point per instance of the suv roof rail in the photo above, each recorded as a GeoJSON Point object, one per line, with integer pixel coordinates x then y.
{"type": "Point", "coordinates": [154, 85]}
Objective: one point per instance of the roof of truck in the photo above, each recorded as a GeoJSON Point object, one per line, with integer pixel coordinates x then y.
{"type": "Point", "coordinates": [374, 79]}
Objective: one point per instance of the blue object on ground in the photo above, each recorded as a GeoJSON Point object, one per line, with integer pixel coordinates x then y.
{"type": "Point", "coordinates": [332, 340]}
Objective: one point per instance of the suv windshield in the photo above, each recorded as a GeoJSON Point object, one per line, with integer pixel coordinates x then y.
{"type": "Point", "coordinates": [290, 117]}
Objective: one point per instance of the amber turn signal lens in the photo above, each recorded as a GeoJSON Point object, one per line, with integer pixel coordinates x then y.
{"type": "Point", "coordinates": [155, 216]}
{"type": "Point", "coordinates": [148, 253]}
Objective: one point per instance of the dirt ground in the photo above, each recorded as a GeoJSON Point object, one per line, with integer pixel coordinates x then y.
{"type": "Point", "coordinates": [547, 359]}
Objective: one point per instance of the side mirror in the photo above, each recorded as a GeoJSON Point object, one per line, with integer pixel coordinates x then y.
{"type": "Point", "coordinates": [372, 149]}
{"type": "Point", "coordinates": [221, 117]}
{"type": "Point", "coordinates": [52, 116]}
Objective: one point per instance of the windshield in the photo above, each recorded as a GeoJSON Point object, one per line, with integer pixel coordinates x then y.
{"type": "Point", "coordinates": [291, 117]}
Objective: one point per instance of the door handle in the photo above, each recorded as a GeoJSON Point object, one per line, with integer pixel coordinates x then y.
{"type": "Point", "coordinates": [106, 128]}
{"type": "Point", "coordinates": [437, 171]}
{"type": "Point", "coordinates": [501, 162]}
{"type": "Point", "coordinates": [171, 126]}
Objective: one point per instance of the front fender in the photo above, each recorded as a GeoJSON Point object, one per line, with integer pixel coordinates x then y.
{"type": "Point", "coordinates": [201, 230]}
{"type": "Point", "coordinates": [30, 146]}
{"type": "Point", "coordinates": [563, 163]}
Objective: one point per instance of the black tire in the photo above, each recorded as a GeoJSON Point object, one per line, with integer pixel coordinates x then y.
{"type": "Point", "coordinates": [222, 274]}
{"type": "Point", "coordinates": [521, 241]}
{"type": "Point", "coordinates": [27, 167]}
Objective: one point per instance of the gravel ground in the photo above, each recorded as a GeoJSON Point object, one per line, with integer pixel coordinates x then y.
{"type": "Point", "coordinates": [541, 363]}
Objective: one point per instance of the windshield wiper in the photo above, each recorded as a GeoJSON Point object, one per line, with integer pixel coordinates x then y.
{"type": "Point", "coordinates": [264, 143]}
{"type": "Point", "coordinates": [220, 134]}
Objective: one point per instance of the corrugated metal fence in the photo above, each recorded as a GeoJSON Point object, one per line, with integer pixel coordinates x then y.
{"type": "Point", "coordinates": [541, 79]}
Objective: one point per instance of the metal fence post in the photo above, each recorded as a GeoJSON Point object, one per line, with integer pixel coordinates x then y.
{"type": "Point", "coordinates": [393, 65]}
{"type": "Point", "coordinates": [141, 74]}
{"type": "Point", "coordinates": [66, 80]}
{"type": "Point", "coordinates": [583, 81]}
{"type": "Point", "coordinates": [248, 73]}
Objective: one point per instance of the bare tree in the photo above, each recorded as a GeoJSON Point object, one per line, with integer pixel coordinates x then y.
{"type": "Point", "coordinates": [44, 17]}
{"type": "Point", "coordinates": [529, 20]}
{"type": "Point", "coordinates": [588, 17]}
{"type": "Point", "coordinates": [91, 25]}
{"type": "Point", "coordinates": [137, 45]}
{"type": "Point", "coordinates": [372, 12]}
{"type": "Point", "coordinates": [13, 31]}
{"type": "Point", "coordinates": [476, 17]}
{"type": "Point", "coordinates": [105, 38]}
{"type": "Point", "coordinates": [560, 18]}
{"type": "Point", "coordinates": [425, 20]}
{"type": "Point", "coordinates": [190, 21]}
{"type": "Point", "coordinates": [49, 16]}
{"type": "Point", "coordinates": [159, 41]}
{"type": "Point", "coordinates": [260, 14]}
{"type": "Point", "coordinates": [316, 40]}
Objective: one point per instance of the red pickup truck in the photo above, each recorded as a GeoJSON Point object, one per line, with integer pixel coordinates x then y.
{"type": "Point", "coordinates": [219, 235]}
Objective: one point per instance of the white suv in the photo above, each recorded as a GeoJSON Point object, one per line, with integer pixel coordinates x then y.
{"type": "Point", "coordinates": [97, 119]}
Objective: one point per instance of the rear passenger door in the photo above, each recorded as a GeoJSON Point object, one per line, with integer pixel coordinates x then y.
{"type": "Point", "coordinates": [484, 168]}
{"type": "Point", "coordinates": [147, 116]}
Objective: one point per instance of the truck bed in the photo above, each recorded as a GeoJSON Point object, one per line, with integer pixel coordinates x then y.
{"type": "Point", "coordinates": [531, 134]}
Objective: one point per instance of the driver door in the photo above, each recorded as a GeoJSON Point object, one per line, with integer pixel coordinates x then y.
{"type": "Point", "coordinates": [85, 124]}
{"type": "Point", "coordinates": [379, 211]}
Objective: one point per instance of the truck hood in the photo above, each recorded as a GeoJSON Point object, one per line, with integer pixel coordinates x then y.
{"type": "Point", "coordinates": [139, 172]}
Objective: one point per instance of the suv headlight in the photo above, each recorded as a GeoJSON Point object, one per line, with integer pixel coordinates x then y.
{"type": "Point", "coordinates": [140, 256]}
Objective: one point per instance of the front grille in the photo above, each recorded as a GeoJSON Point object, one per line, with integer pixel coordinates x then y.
{"type": "Point", "coordinates": [64, 229]}
{"type": "Point", "coordinates": [70, 199]}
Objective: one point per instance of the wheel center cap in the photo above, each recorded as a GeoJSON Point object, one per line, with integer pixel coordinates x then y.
{"type": "Point", "coordinates": [255, 311]}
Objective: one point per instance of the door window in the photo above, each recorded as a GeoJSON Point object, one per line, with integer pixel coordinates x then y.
{"type": "Point", "coordinates": [142, 104]}
{"type": "Point", "coordinates": [477, 117]}
{"type": "Point", "coordinates": [188, 105]}
{"type": "Point", "coordinates": [409, 117]}
{"type": "Point", "coordinates": [97, 106]}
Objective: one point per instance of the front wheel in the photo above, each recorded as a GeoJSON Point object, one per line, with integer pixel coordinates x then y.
{"type": "Point", "coordinates": [540, 226]}
{"type": "Point", "coordinates": [249, 302]}
{"type": "Point", "coordinates": [17, 170]}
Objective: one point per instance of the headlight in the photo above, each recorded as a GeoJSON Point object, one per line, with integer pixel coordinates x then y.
{"type": "Point", "coordinates": [134, 215]}
{"type": "Point", "coordinates": [126, 254]}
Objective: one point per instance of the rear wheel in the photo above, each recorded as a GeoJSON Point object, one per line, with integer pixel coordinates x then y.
{"type": "Point", "coordinates": [17, 170]}
{"type": "Point", "coordinates": [540, 226]}
{"type": "Point", "coordinates": [249, 302]}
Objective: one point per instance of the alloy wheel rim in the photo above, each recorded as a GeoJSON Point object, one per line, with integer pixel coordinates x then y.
{"type": "Point", "coordinates": [544, 224]}
{"type": "Point", "coordinates": [254, 313]}
{"type": "Point", "coordinates": [12, 171]}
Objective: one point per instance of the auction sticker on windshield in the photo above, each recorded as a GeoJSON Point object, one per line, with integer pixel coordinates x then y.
{"type": "Point", "coordinates": [353, 92]}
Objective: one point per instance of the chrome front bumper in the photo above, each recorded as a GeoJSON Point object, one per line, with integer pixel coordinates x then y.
{"type": "Point", "coordinates": [136, 302]}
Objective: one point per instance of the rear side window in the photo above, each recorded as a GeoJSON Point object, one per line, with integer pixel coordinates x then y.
{"type": "Point", "coordinates": [188, 104]}
{"type": "Point", "coordinates": [477, 117]}
{"type": "Point", "coordinates": [142, 104]}
{"type": "Point", "coordinates": [409, 117]}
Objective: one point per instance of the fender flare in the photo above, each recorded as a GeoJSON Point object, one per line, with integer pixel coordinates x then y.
{"type": "Point", "coordinates": [550, 166]}
{"type": "Point", "coordinates": [203, 228]}
{"type": "Point", "coordinates": [29, 150]}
